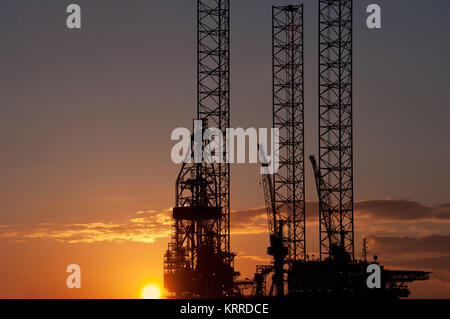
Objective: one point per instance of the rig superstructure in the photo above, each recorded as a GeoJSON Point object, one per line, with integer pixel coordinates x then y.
{"type": "Point", "coordinates": [199, 262]}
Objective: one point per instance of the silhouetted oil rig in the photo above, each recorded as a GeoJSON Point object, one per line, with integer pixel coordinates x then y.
{"type": "Point", "coordinates": [199, 262]}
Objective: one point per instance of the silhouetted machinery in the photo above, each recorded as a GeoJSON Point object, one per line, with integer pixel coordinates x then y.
{"type": "Point", "coordinates": [336, 272]}
{"type": "Point", "coordinates": [336, 275]}
{"type": "Point", "coordinates": [284, 191]}
{"type": "Point", "coordinates": [277, 248]}
{"type": "Point", "coordinates": [198, 262]}
{"type": "Point", "coordinates": [195, 263]}
{"type": "Point", "coordinates": [337, 252]}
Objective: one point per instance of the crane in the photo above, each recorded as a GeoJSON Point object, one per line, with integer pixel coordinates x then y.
{"type": "Point", "coordinates": [277, 248]}
{"type": "Point", "coordinates": [337, 252]}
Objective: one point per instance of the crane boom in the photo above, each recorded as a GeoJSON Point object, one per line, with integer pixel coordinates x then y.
{"type": "Point", "coordinates": [277, 247]}
{"type": "Point", "coordinates": [337, 251]}
{"type": "Point", "coordinates": [269, 196]}
{"type": "Point", "coordinates": [317, 176]}
{"type": "Point", "coordinates": [325, 201]}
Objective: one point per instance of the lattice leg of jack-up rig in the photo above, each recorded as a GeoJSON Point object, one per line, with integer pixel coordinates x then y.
{"type": "Point", "coordinates": [198, 262]}
{"type": "Point", "coordinates": [287, 240]}
{"type": "Point", "coordinates": [288, 117]}
{"type": "Point", "coordinates": [335, 129]}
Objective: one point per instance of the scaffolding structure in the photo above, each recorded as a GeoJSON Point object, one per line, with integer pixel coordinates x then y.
{"type": "Point", "coordinates": [335, 128]}
{"type": "Point", "coordinates": [288, 117]}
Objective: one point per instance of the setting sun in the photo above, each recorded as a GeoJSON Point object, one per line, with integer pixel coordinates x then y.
{"type": "Point", "coordinates": [151, 292]}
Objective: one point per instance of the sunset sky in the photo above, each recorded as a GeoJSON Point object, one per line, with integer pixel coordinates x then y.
{"type": "Point", "coordinates": [86, 117]}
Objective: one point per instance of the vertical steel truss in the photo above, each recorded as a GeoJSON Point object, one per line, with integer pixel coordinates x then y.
{"type": "Point", "coordinates": [335, 127]}
{"type": "Point", "coordinates": [214, 91]}
{"type": "Point", "coordinates": [202, 228]}
{"type": "Point", "coordinates": [288, 117]}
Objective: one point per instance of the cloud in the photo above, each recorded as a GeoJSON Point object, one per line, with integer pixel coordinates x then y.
{"type": "Point", "coordinates": [398, 246]}
{"type": "Point", "coordinates": [146, 229]}
{"type": "Point", "coordinates": [260, 259]}
{"type": "Point", "coordinates": [249, 221]}
{"type": "Point", "coordinates": [149, 225]}
{"type": "Point", "coordinates": [402, 210]}
{"type": "Point", "coordinates": [254, 220]}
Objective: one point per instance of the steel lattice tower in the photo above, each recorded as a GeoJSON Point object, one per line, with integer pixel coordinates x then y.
{"type": "Point", "coordinates": [198, 261]}
{"type": "Point", "coordinates": [214, 90]}
{"type": "Point", "coordinates": [335, 129]}
{"type": "Point", "coordinates": [288, 117]}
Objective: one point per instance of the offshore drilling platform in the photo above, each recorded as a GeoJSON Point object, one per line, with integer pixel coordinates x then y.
{"type": "Point", "coordinates": [199, 262]}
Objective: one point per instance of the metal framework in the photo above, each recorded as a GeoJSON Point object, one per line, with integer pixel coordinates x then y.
{"type": "Point", "coordinates": [288, 117]}
{"type": "Point", "coordinates": [199, 262]}
{"type": "Point", "coordinates": [213, 88]}
{"type": "Point", "coordinates": [335, 128]}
